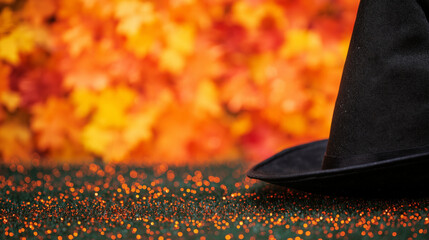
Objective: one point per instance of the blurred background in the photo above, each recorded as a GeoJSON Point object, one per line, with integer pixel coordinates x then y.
{"type": "Point", "coordinates": [167, 81]}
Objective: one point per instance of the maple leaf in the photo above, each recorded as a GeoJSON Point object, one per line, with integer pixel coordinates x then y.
{"type": "Point", "coordinates": [114, 130]}
{"type": "Point", "coordinates": [84, 101]}
{"type": "Point", "coordinates": [172, 61]}
{"type": "Point", "coordinates": [35, 84]}
{"type": "Point", "coordinates": [99, 68]}
{"type": "Point", "coordinates": [7, 20]}
{"type": "Point", "coordinates": [16, 140]}
{"type": "Point", "coordinates": [112, 105]}
{"type": "Point", "coordinates": [204, 64]}
{"type": "Point", "coordinates": [55, 124]}
{"type": "Point", "coordinates": [132, 15]}
{"type": "Point", "coordinates": [207, 99]}
{"type": "Point", "coordinates": [180, 40]}
{"type": "Point", "coordinates": [4, 88]}
{"type": "Point", "coordinates": [109, 106]}
{"type": "Point", "coordinates": [97, 139]}
{"type": "Point", "coordinates": [261, 141]}
{"type": "Point", "coordinates": [241, 125]}
{"type": "Point", "coordinates": [5, 71]}
{"type": "Point", "coordinates": [243, 9]}
{"type": "Point", "coordinates": [233, 38]}
{"type": "Point", "coordinates": [125, 79]}
{"type": "Point", "coordinates": [240, 94]}
{"type": "Point", "coordinates": [173, 127]}
{"type": "Point", "coordinates": [116, 143]}
{"type": "Point", "coordinates": [19, 40]}
{"type": "Point", "coordinates": [78, 38]}
{"type": "Point", "coordinates": [180, 37]}
{"type": "Point", "coordinates": [300, 41]}
{"type": "Point", "coordinates": [89, 70]}
{"type": "Point", "coordinates": [260, 68]}
{"type": "Point", "coordinates": [217, 145]}
{"type": "Point", "coordinates": [87, 79]}
{"type": "Point", "coordinates": [141, 43]}
{"type": "Point", "coordinates": [37, 11]}
{"type": "Point", "coordinates": [10, 100]}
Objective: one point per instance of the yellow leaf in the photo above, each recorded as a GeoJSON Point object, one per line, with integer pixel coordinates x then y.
{"type": "Point", "coordinates": [261, 69]}
{"type": "Point", "coordinates": [84, 100]}
{"type": "Point", "coordinates": [112, 105]}
{"type": "Point", "coordinates": [241, 12]}
{"type": "Point", "coordinates": [172, 61]}
{"type": "Point", "coordinates": [140, 127]}
{"type": "Point", "coordinates": [10, 99]}
{"type": "Point", "coordinates": [20, 40]}
{"type": "Point", "coordinates": [133, 14]}
{"type": "Point", "coordinates": [140, 43]}
{"type": "Point", "coordinates": [9, 49]}
{"type": "Point", "coordinates": [115, 143]}
{"type": "Point", "coordinates": [251, 15]}
{"type": "Point", "coordinates": [97, 139]}
{"type": "Point", "coordinates": [300, 41]}
{"type": "Point", "coordinates": [24, 38]}
{"type": "Point", "coordinates": [180, 43]}
{"type": "Point", "coordinates": [294, 124]}
{"type": "Point", "coordinates": [206, 99]}
{"type": "Point", "coordinates": [109, 106]}
{"type": "Point", "coordinates": [241, 125]}
{"type": "Point", "coordinates": [180, 37]}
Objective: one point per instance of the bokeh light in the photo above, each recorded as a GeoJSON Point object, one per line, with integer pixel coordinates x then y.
{"type": "Point", "coordinates": [175, 82]}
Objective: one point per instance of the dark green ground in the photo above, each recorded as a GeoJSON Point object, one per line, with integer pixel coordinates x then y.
{"type": "Point", "coordinates": [217, 202]}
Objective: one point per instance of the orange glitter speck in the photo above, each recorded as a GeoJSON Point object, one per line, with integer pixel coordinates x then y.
{"type": "Point", "coordinates": [133, 174]}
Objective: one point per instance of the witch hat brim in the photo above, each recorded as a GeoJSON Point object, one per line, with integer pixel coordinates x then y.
{"type": "Point", "coordinates": [299, 168]}
{"type": "Point", "coordinates": [379, 139]}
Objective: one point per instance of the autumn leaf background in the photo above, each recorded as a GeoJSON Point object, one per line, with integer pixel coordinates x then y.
{"type": "Point", "coordinates": [177, 82]}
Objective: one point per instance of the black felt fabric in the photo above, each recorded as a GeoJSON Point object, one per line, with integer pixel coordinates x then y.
{"type": "Point", "coordinates": [299, 168]}
{"type": "Point", "coordinates": [383, 101]}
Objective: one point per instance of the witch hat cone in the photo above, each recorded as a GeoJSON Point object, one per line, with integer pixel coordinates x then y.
{"type": "Point", "coordinates": [379, 139]}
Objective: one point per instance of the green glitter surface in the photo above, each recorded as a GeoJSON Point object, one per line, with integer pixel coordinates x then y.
{"type": "Point", "coordinates": [97, 201]}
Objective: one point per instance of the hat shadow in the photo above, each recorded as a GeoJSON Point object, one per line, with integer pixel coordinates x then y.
{"type": "Point", "coordinates": [272, 194]}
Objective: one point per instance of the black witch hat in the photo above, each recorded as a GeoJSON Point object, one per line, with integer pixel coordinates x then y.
{"type": "Point", "coordinates": [379, 139]}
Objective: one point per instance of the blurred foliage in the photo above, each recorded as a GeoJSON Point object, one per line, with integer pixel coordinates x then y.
{"type": "Point", "coordinates": [178, 81]}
